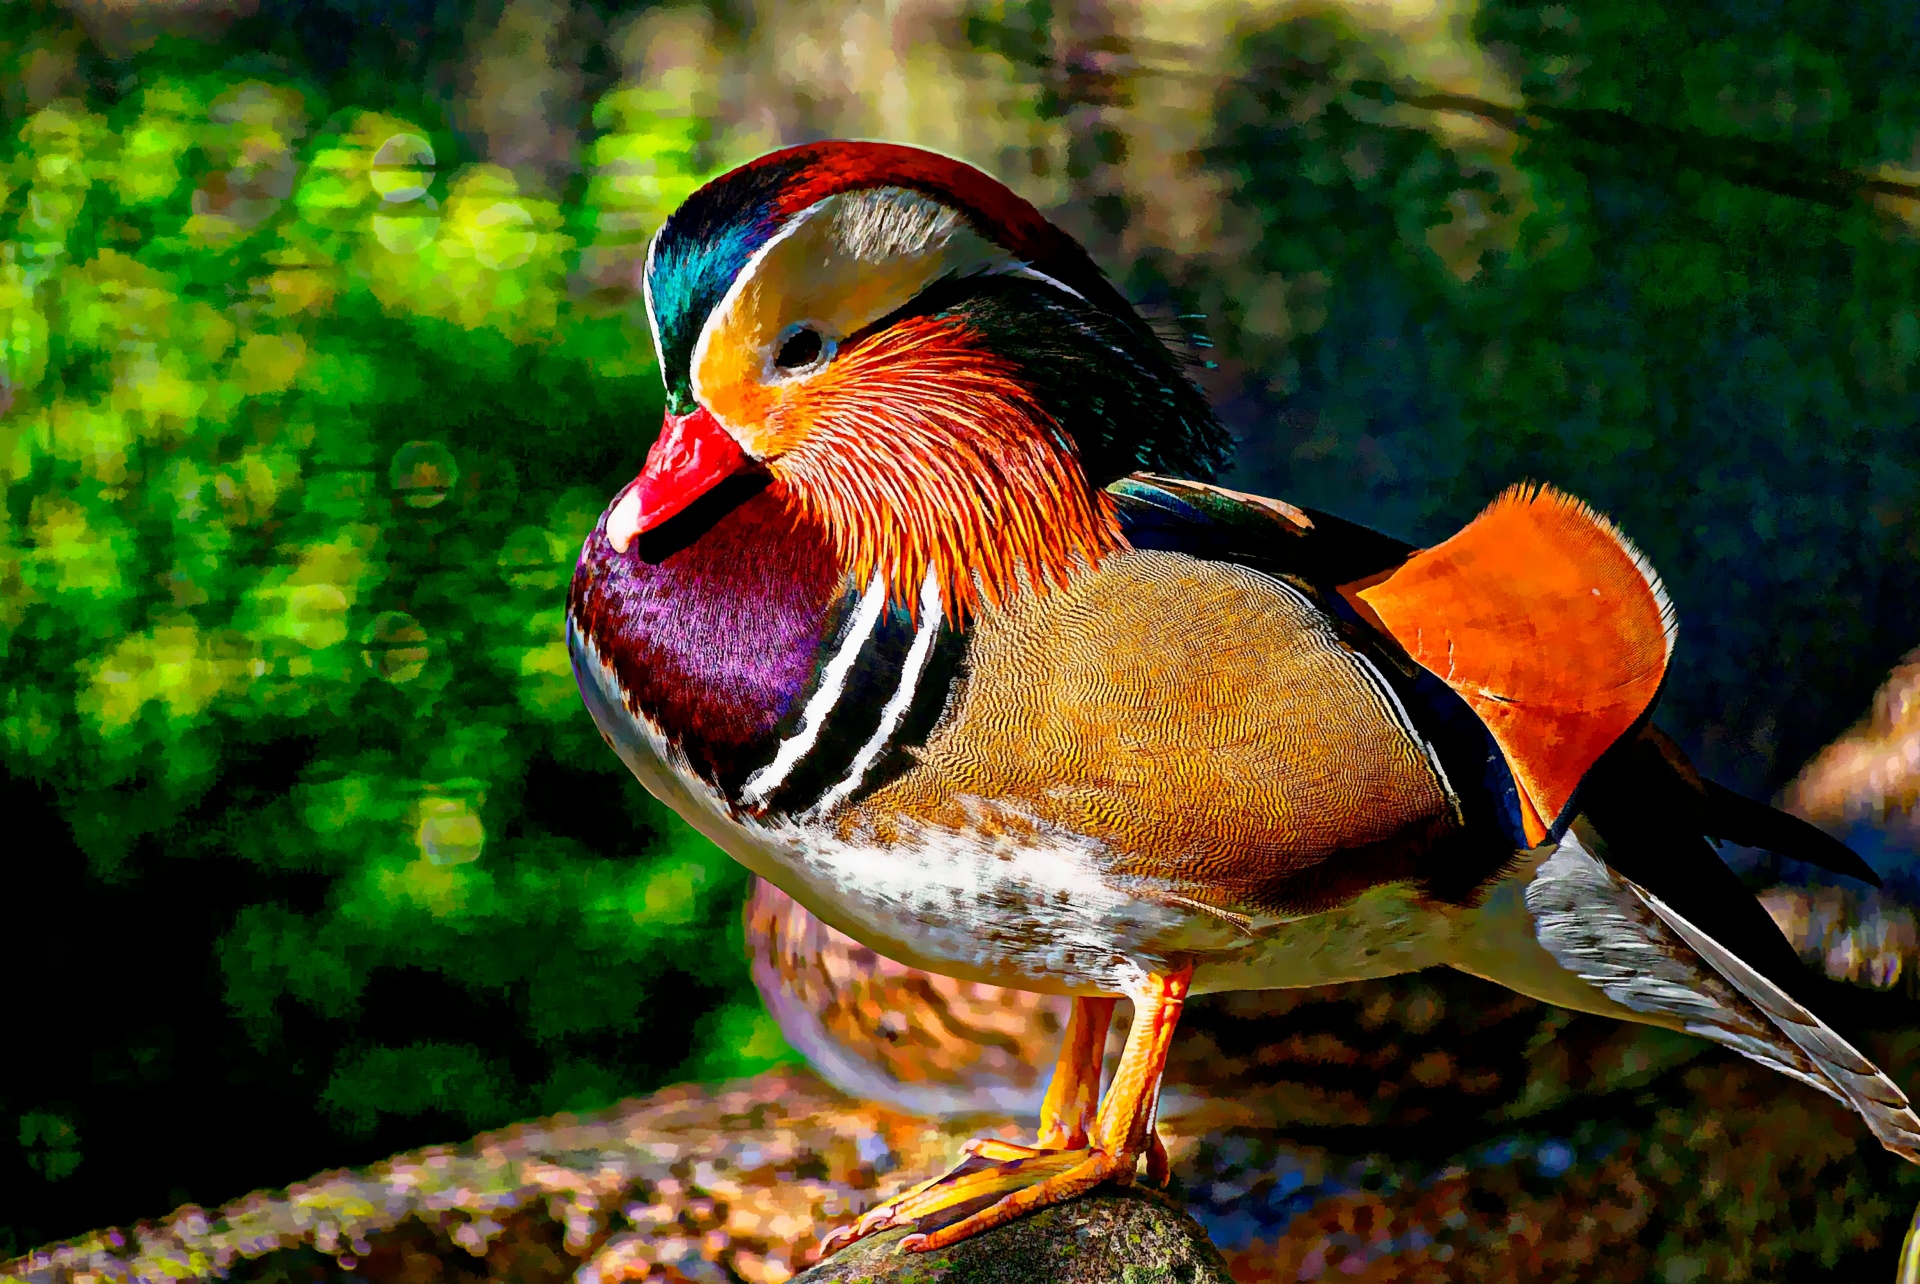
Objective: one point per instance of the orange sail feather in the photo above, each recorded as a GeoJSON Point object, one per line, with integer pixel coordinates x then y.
{"type": "Point", "coordinates": [1551, 626]}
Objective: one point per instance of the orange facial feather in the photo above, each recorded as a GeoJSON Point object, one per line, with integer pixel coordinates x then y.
{"type": "Point", "coordinates": [917, 448]}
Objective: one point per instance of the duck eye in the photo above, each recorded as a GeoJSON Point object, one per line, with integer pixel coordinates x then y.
{"type": "Point", "coordinates": [803, 348]}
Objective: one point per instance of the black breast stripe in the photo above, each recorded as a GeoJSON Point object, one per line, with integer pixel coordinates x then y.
{"type": "Point", "coordinates": [878, 691]}
{"type": "Point", "coordinates": [860, 617]}
{"type": "Point", "coordinates": [853, 717]}
{"type": "Point", "coordinates": [932, 697]}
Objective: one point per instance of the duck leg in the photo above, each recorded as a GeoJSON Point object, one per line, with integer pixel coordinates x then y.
{"type": "Point", "coordinates": [1073, 1096]}
{"type": "Point", "coordinates": [999, 1181]}
{"type": "Point", "coordinates": [1068, 1111]}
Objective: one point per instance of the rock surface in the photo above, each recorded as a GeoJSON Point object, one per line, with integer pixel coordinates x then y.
{"type": "Point", "coordinates": [1594, 1154]}
{"type": "Point", "coordinates": [1112, 1236]}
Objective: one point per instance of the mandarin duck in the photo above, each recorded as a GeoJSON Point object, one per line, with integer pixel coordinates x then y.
{"type": "Point", "coordinates": [910, 612]}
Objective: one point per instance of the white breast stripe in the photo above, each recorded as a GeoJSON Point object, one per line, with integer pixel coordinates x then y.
{"type": "Point", "coordinates": [910, 671]}
{"type": "Point", "coordinates": [763, 782]}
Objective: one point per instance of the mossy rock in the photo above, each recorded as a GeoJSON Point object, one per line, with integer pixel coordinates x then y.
{"type": "Point", "coordinates": [1112, 1236]}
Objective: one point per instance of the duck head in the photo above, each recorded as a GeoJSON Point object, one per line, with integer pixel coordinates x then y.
{"type": "Point", "coordinates": [920, 363]}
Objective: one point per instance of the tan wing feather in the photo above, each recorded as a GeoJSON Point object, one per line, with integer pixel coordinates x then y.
{"type": "Point", "coordinates": [1657, 966]}
{"type": "Point", "coordinates": [1204, 722]}
{"type": "Point", "coordinates": [1877, 1098]}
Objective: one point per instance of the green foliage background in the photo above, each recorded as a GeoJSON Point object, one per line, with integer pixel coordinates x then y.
{"type": "Point", "coordinates": [307, 408]}
{"type": "Point", "coordinates": [323, 855]}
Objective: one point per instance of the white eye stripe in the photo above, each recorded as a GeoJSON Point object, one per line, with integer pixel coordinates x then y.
{"type": "Point", "coordinates": [653, 318]}
{"type": "Point", "coordinates": [894, 240]}
{"type": "Point", "coordinates": [892, 222]}
{"type": "Point", "coordinates": [742, 280]}
{"type": "Point", "coordinates": [1028, 272]}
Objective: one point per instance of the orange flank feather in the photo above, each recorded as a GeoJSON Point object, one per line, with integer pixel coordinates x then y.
{"type": "Point", "coordinates": [918, 449]}
{"type": "Point", "coordinates": [1548, 622]}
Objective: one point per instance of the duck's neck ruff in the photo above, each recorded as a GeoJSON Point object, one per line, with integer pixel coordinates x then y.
{"type": "Point", "coordinates": [925, 451]}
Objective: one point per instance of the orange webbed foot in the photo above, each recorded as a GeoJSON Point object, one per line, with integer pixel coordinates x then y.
{"type": "Point", "coordinates": [969, 1196]}
{"type": "Point", "coordinates": [1000, 1180]}
{"type": "Point", "coordinates": [1066, 1173]}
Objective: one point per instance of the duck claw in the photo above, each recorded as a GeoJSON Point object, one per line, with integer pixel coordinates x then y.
{"type": "Point", "coordinates": [991, 1174]}
{"type": "Point", "coordinates": [853, 1232]}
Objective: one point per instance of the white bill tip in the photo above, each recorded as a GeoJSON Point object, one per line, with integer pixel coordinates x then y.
{"type": "Point", "coordinates": [623, 523]}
